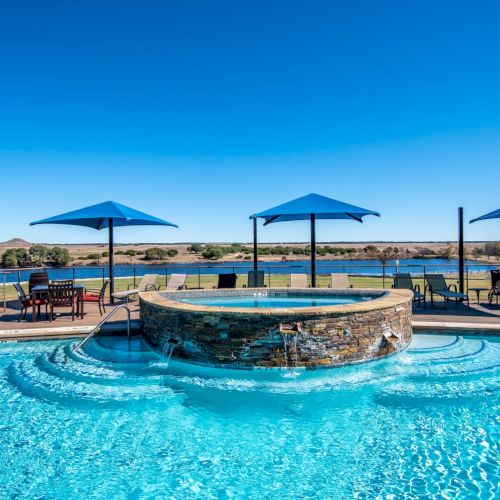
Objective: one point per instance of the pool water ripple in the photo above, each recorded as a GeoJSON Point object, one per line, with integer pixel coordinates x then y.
{"type": "Point", "coordinates": [114, 422]}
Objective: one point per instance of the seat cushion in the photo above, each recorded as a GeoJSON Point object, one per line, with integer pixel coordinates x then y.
{"type": "Point", "coordinates": [38, 302]}
{"type": "Point", "coordinates": [90, 297]}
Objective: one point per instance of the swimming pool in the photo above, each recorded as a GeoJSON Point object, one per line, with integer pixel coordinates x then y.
{"type": "Point", "coordinates": [113, 423]}
{"type": "Point", "coordinates": [265, 300]}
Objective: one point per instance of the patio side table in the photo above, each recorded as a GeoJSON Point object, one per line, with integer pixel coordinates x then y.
{"type": "Point", "coordinates": [478, 291]}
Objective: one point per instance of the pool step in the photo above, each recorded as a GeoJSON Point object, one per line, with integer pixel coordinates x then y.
{"type": "Point", "coordinates": [63, 376]}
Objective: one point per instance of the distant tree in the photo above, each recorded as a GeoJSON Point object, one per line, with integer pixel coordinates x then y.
{"type": "Point", "coordinates": [155, 253]}
{"type": "Point", "coordinates": [477, 252]}
{"type": "Point", "coordinates": [38, 254]}
{"type": "Point", "coordinates": [131, 253]}
{"type": "Point", "coordinates": [213, 252]}
{"type": "Point", "coordinates": [93, 256]}
{"type": "Point", "coordinates": [195, 248]}
{"type": "Point", "coordinates": [105, 254]}
{"type": "Point", "coordinates": [172, 252]}
{"type": "Point", "coordinates": [58, 256]}
{"type": "Point", "coordinates": [16, 257]}
{"type": "Point", "coordinates": [492, 249]}
{"type": "Point", "coordinates": [446, 253]}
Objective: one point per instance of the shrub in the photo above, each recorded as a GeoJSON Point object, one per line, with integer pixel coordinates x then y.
{"type": "Point", "coordinates": [105, 254]}
{"type": "Point", "coordinates": [93, 256]}
{"type": "Point", "coordinates": [119, 252]}
{"type": "Point", "coordinates": [172, 252]}
{"type": "Point", "coordinates": [131, 253]}
{"type": "Point", "coordinates": [155, 253]}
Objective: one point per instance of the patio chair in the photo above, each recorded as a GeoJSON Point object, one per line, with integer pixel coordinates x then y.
{"type": "Point", "coordinates": [62, 295]}
{"type": "Point", "coordinates": [146, 285]}
{"type": "Point", "coordinates": [298, 280]}
{"type": "Point", "coordinates": [403, 281]}
{"type": "Point", "coordinates": [226, 280]}
{"type": "Point", "coordinates": [436, 284]}
{"type": "Point", "coordinates": [176, 282]}
{"type": "Point", "coordinates": [96, 296]}
{"type": "Point", "coordinates": [255, 279]}
{"type": "Point", "coordinates": [26, 302]}
{"type": "Point", "coordinates": [495, 285]}
{"type": "Point", "coordinates": [339, 281]}
{"type": "Point", "coordinates": [38, 278]}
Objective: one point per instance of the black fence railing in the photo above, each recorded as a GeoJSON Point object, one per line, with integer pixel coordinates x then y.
{"type": "Point", "coordinates": [383, 271]}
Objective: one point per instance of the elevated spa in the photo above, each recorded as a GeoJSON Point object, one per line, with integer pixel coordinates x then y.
{"type": "Point", "coordinates": [245, 328]}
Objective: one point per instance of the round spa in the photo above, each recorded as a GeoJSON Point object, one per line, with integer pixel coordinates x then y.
{"type": "Point", "coordinates": [245, 328]}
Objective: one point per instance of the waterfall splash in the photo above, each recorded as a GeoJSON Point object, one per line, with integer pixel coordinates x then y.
{"type": "Point", "coordinates": [169, 348]}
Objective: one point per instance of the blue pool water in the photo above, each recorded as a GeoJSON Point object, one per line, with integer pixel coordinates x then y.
{"type": "Point", "coordinates": [113, 423]}
{"type": "Point", "coordinates": [276, 301]}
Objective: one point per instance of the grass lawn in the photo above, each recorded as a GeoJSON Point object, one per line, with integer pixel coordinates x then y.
{"type": "Point", "coordinates": [275, 280]}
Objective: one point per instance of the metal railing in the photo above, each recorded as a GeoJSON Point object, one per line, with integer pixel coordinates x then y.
{"type": "Point", "coordinates": [101, 323]}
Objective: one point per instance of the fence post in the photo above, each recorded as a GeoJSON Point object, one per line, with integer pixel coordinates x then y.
{"type": "Point", "coordinates": [166, 276]}
{"type": "Point", "coordinates": [383, 274]}
{"type": "Point", "coordinates": [73, 272]}
{"type": "Point", "coordinates": [134, 276]}
{"type": "Point", "coordinates": [199, 277]}
{"type": "Point", "coordinates": [19, 275]}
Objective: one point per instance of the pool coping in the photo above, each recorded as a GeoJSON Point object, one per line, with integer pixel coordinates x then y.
{"type": "Point", "coordinates": [383, 300]}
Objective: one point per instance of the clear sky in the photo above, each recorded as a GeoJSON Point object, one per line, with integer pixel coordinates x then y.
{"type": "Point", "coordinates": [203, 112]}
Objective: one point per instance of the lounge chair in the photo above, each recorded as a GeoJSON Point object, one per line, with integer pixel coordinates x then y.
{"type": "Point", "coordinates": [436, 284]}
{"type": "Point", "coordinates": [146, 285]}
{"type": "Point", "coordinates": [298, 280]}
{"type": "Point", "coordinates": [256, 279]}
{"type": "Point", "coordinates": [226, 281]}
{"type": "Point", "coordinates": [96, 296]}
{"type": "Point", "coordinates": [495, 285]}
{"type": "Point", "coordinates": [403, 281]}
{"type": "Point", "coordinates": [176, 282]}
{"type": "Point", "coordinates": [26, 302]}
{"type": "Point", "coordinates": [339, 281]}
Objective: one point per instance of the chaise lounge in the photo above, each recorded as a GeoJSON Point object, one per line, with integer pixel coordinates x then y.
{"type": "Point", "coordinates": [436, 285]}
{"type": "Point", "coordinates": [146, 285]}
{"type": "Point", "coordinates": [404, 281]}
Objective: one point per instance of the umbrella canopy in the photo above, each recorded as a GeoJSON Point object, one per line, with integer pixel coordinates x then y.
{"type": "Point", "coordinates": [98, 217]}
{"type": "Point", "coordinates": [106, 215]}
{"type": "Point", "coordinates": [311, 207]}
{"type": "Point", "coordinates": [492, 215]}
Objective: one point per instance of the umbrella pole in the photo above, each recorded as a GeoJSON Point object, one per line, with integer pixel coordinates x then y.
{"type": "Point", "coordinates": [461, 259]}
{"type": "Point", "coordinates": [111, 263]}
{"type": "Point", "coordinates": [255, 263]}
{"type": "Point", "coordinates": [313, 250]}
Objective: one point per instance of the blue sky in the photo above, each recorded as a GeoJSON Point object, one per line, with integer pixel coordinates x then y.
{"type": "Point", "coordinates": [203, 112]}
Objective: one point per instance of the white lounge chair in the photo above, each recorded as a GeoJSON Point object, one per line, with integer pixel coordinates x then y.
{"type": "Point", "coordinates": [298, 280]}
{"type": "Point", "coordinates": [147, 284]}
{"type": "Point", "coordinates": [339, 281]}
{"type": "Point", "coordinates": [176, 282]}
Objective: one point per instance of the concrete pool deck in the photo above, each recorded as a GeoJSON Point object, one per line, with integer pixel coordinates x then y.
{"type": "Point", "coordinates": [483, 317]}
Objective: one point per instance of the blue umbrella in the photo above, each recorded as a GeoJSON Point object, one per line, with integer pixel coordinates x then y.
{"type": "Point", "coordinates": [106, 215]}
{"type": "Point", "coordinates": [310, 207]}
{"type": "Point", "coordinates": [492, 215]}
